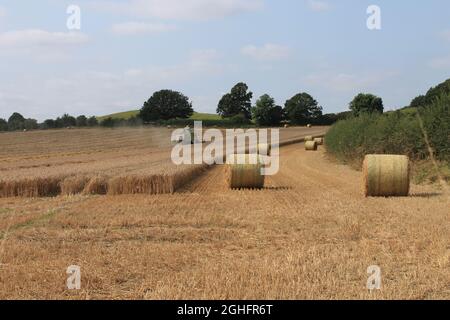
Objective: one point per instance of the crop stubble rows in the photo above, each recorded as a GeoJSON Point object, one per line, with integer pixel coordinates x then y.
{"type": "Point", "coordinates": [309, 234]}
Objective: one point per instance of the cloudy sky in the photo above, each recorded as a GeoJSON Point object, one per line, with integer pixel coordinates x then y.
{"type": "Point", "coordinates": [127, 49]}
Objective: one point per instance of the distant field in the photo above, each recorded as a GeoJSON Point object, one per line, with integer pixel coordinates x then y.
{"type": "Point", "coordinates": [128, 114]}
{"type": "Point", "coordinates": [38, 163]}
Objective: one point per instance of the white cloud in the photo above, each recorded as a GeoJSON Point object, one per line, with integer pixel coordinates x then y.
{"type": "Point", "coordinates": [440, 63]}
{"type": "Point", "coordinates": [141, 28]}
{"type": "Point", "coordinates": [346, 82]}
{"type": "Point", "coordinates": [40, 38]}
{"type": "Point", "coordinates": [319, 6]}
{"type": "Point", "coordinates": [2, 12]}
{"type": "Point", "coordinates": [180, 9]}
{"type": "Point", "coordinates": [268, 52]}
{"type": "Point", "coordinates": [102, 92]}
{"type": "Point", "coordinates": [40, 45]}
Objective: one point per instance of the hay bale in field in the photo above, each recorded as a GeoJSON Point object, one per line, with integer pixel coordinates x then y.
{"type": "Point", "coordinates": [244, 171]}
{"type": "Point", "coordinates": [73, 185]}
{"type": "Point", "coordinates": [96, 185]}
{"type": "Point", "coordinates": [386, 175]}
{"type": "Point", "coordinates": [310, 146]}
{"type": "Point", "coordinates": [309, 138]}
{"type": "Point", "coordinates": [319, 141]}
{"type": "Point", "coordinates": [264, 149]}
{"type": "Point", "coordinates": [309, 126]}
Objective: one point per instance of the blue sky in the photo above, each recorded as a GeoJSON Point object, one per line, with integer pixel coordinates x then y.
{"type": "Point", "coordinates": [127, 49]}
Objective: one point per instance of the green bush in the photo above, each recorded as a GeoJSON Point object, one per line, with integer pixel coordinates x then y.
{"type": "Point", "coordinates": [393, 133]}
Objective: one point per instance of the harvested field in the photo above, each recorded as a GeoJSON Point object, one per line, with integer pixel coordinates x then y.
{"type": "Point", "coordinates": [310, 233]}
{"type": "Point", "coordinates": [47, 163]}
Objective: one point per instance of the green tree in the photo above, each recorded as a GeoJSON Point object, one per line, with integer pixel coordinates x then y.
{"type": "Point", "coordinates": [166, 105]}
{"type": "Point", "coordinates": [59, 123]}
{"type": "Point", "coordinates": [16, 122]}
{"type": "Point", "coordinates": [92, 122]}
{"type": "Point", "coordinates": [419, 101]}
{"type": "Point", "coordinates": [3, 125]}
{"type": "Point", "coordinates": [432, 95]}
{"type": "Point", "coordinates": [82, 121]}
{"type": "Point", "coordinates": [30, 124]}
{"type": "Point", "coordinates": [366, 103]}
{"type": "Point", "coordinates": [266, 113]}
{"type": "Point", "coordinates": [302, 109]}
{"type": "Point", "coordinates": [237, 102]}
{"type": "Point", "coordinates": [49, 124]}
{"type": "Point", "coordinates": [68, 120]}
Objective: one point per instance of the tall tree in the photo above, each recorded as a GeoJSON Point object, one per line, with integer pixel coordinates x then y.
{"type": "Point", "coordinates": [68, 120]}
{"type": "Point", "coordinates": [82, 121]}
{"type": "Point", "coordinates": [302, 109]}
{"type": "Point", "coordinates": [16, 122]}
{"type": "Point", "coordinates": [166, 105]}
{"type": "Point", "coordinates": [237, 102]}
{"type": "Point", "coordinates": [266, 113]}
{"type": "Point", "coordinates": [366, 103]}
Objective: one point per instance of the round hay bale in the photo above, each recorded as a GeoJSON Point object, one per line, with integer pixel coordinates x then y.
{"type": "Point", "coordinates": [309, 138]}
{"type": "Point", "coordinates": [244, 171]}
{"type": "Point", "coordinates": [309, 126]}
{"type": "Point", "coordinates": [310, 146]}
{"type": "Point", "coordinates": [319, 141]}
{"type": "Point", "coordinates": [386, 176]}
{"type": "Point", "coordinates": [264, 149]}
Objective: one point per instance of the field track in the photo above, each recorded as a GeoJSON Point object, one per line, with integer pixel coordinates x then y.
{"type": "Point", "coordinates": [309, 234]}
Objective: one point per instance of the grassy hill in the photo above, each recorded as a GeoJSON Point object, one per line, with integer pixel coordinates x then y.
{"type": "Point", "coordinates": [128, 114]}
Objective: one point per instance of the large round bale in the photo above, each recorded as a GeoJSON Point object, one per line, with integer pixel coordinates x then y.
{"type": "Point", "coordinates": [386, 176]}
{"type": "Point", "coordinates": [264, 149]}
{"type": "Point", "coordinates": [244, 171]}
{"type": "Point", "coordinates": [309, 138]}
{"type": "Point", "coordinates": [310, 146]}
{"type": "Point", "coordinates": [319, 141]}
{"type": "Point", "coordinates": [309, 126]}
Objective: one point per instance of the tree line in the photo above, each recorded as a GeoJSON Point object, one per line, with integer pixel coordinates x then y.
{"type": "Point", "coordinates": [235, 107]}
{"type": "Point", "coordinates": [18, 122]}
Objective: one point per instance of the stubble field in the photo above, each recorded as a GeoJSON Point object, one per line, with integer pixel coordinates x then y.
{"type": "Point", "coordinates": [309, 234]}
